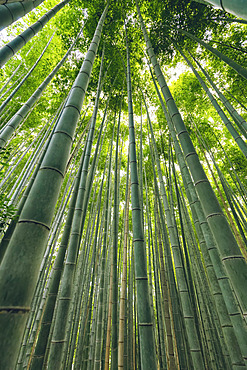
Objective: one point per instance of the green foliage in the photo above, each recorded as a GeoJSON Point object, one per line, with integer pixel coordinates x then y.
{"type": "Point", "coordinates": [164, 20]}
{"type": "Point", "coordinates": [7, 212]}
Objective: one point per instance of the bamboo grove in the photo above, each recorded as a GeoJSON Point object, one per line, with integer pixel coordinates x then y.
{"type": "Point", "coordinates": [123, 185]}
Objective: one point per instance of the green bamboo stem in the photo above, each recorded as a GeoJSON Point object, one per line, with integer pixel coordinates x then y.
{"type": "Point", "coordinates": [25, 78]}
{"type": "Point", "coordinates": [217, 276]}
{"type": "Point", "coordinates": [241, 104]}
{"type": "Point", "coordinates": [225, 207]}
{"type": "Point", "coordinates": [141, 168]}
{"type": "Point", "coordinates": [240, 142]}
{"type": "Point", "coordinates": [164, 288]}
{"type": "Point", "coordinates": [228, 247]}
{"type": "Point", "coordinates": [183, 358]}
{"type": "Point", "coordinates": [240, 187]}
{"type": "Point", "coordinates": [204, 292]}
{"type": "Point", "coordinates": [12, 86]}
{"type": "Point", "coordinates": [5, 116]}
{"type": "Point", "coordinates": [86, 303]}
{"type": "Point", "coordinates": [7, 236]}
{"type": "Point", "coordinates": [90, 359]}
{"type": "Point", "coordinates": [130, 364]}
{"type": "Point", "coordinates": [183, 353]}
{"type": "Point", "coordinates": [9, 13]}
{"type": "Point", "coordinates": [108, 338]}
{"type": "Point", "coordinates": [198, 285]}
{"type": "Point", "coordinates": [10, 78]}
{"type": "Point", "coordinates": [237, 67]}
{"type": "Point", "coordinates": [22, 179]}
{"type": "Point", "coordinates": [42, 289]}
{"type": "Point", "coordinates": [58, 339]}
{"type": "Point", "coordinates": [126, 326]}
{"type": "Point", "coordinates": [114, 339]}
{"type": "Point", "coordinates": [82, 285]}
{"type": "Point", "coordinates": [15, 121]}
{"type": "Point", "coordinates": [44, 282]}
{"type": "Point", "coordinates": [238, 211]}
{"type": "Point", "coordinates": [38, 357]}
{"type": "Point", "coordinates": [145, 325]}
{"type": "Point", "coordinates": [150, 249]}
{"type": "Point", "coordinates": [2, 2]}
{"type": "Point", "coordinates": [189, 318]}
{"type": "Point", "coordinates": [164, 364]}
{"type": "Point", "coordinates": [90, 271]}
{"type": "Point", "coordinates": [98, 341]}
{"type": "Point", "coordinates": [235, 115]}
{"type": "Point", "coordinates": [122, 320]}
{"type": "Point", "coordinates": [12, 172]}
{"type": "Point", "coordinates": [167, 318]}
{"type": "Point", "coordinates": [229, 335]}
{"type": "Point", "coordinates": [34, 222]}
{"type": "Point", "coordinates": [106, 305]}
{"type": "Point", "coordinates": [11, 178]}
{"type": "Point", "coordinates": [25, 119]}
{"type": "Point", "coordinates": [12, 47]}
{"type": "Point", "coordinates": [120, 230]}
{"type": "Point", "coordinates": [84, 261]}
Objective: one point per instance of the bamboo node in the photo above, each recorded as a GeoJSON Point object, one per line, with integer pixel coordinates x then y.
{"type": "Point", "coordinates": [145, 324]}
{"type": "Point", "coordinates": [14, 309]}
{"type": "Point", "coordinates": [222, 7]}
{"type": "Point", "coordinates": [174, 114]}
{"type": "Point", "coordinates": [215, 214]}
{"type": "Point", "coordinates": [232, 257]}
{"type": "Point", "coordinates": [182, 132]}
{"type": "Point", "coordinates": [34, 222]}
{"type": "Point", "coordinates": [51, 168]}
{"type": "Point", "coordinates": [63, 132]}
{"type": "Point", "coordinates": [73, 106]}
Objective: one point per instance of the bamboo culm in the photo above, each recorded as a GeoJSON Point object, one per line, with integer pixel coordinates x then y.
{"type": "Point", "coordinates": [23, 111]}
{"type": "Point", "coordinates": [145, 325]}
{"type": "Point", "coordinates": [11, 48]}
{"type": "Point", "coordinates": [228, 247]}
{"type": "Point", "coordinates": [34, 222]}
{"type": "Point", "coordinates": [9, 13]}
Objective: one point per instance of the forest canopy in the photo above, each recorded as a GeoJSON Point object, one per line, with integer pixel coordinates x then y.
{"type": "Point", "coordinates": [123, 185]}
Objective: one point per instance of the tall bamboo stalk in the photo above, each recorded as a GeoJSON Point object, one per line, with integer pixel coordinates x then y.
{"type": "Point", "coordinates": [14, 122]}
{"type": "Point", "coordinates": [99, 330]}
{"type": "Point", "coordinates": [18, 275]}
{"type": "Point", "coordinates": [145, 325]}
{"type": "Point", "coordinates": [122, 322]}
{"type": "Point", "coordinates": [9, 13]}
{"type": "Point", "coordinates": [11, 48]}
{"type": "Point", "coordinates": [228, 247]}
{"type": "Point", "coordinates": [237, 67]}
{"type": "Point", "coordinates": [233, 327]}
{"type": "Point", "coordinates": [240, 142]}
